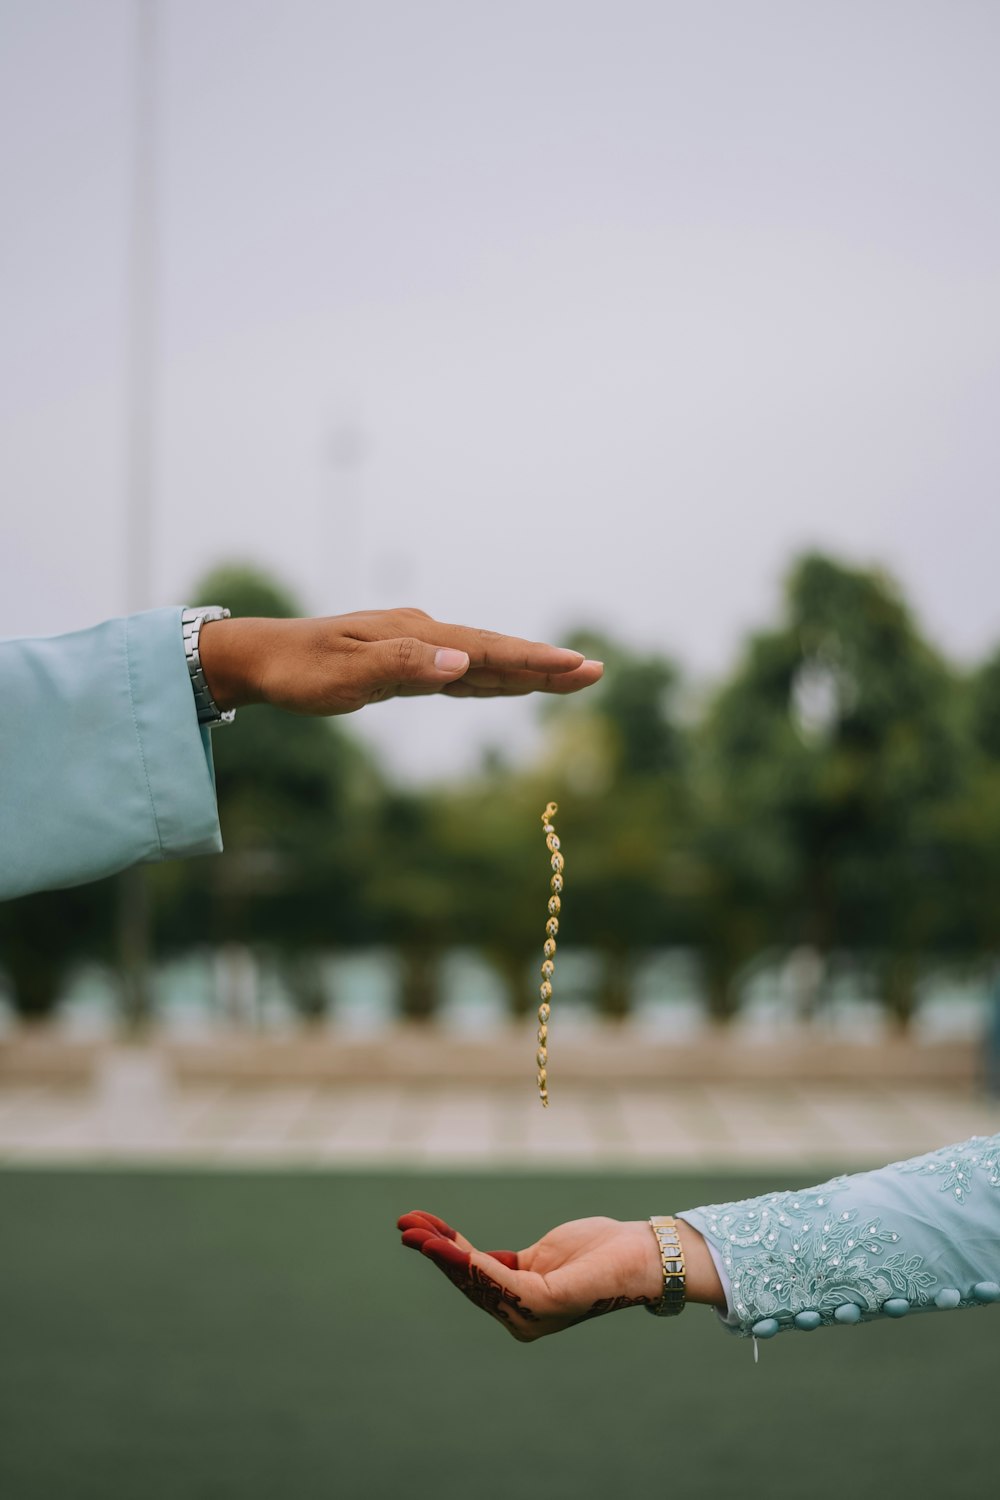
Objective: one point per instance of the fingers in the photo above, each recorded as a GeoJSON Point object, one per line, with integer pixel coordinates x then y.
{"type": "Point", "coordinates": [480, 682]}
{"type": "Point", "coordinates": [490, 1282]}
{"type": "Point", "coordinates": [419, 1217]}
{"type": "Point", "coordinates": [447, 1256]}
{"type": "Point", "coordinates": [406, 664]}
{"type": "Point", "coordinates": [484, 648]}
{"type": "Point", "coordinates": [407, 667]}
{"type": "Point", "coordinates": [419, 1226]}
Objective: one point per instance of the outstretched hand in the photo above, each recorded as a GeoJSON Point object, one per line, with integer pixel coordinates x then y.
{"type": "Point", "coordinates": [339, 664]}
{"type": "Point", "coordinates": [577, 1271]}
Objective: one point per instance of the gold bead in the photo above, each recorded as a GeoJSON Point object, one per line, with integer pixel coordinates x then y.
{"type": "Point", "coordinates": [545, 990]}
{"type": "Point", "coordinates": [552, 927]}
{"type": "Point", "coordinates": [548, 968]}
{"type": "Point", "coordinates": [548, 947]}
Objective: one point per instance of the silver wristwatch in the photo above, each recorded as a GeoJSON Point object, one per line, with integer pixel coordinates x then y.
{"type": "Point", "coordinates": [209, 713]}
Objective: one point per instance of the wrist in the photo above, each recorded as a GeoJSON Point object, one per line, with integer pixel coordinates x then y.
{"type": "Point", "coordinates": [233, 653]}
{"type": "Point", "coordinates": [703, 1284]}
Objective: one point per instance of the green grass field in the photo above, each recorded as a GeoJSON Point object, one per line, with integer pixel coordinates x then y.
{"type": "Point", "coordinates": [235, 1336]}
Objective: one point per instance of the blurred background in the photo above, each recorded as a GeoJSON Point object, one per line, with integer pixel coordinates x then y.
{"type": "Point", "coordinates": [671, 332]}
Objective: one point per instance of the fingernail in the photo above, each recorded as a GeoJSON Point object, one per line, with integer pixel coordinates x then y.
{"type": "Point", "coordinates": [590, 662]}
{"type": "Point", "coordinates": [449, 660]}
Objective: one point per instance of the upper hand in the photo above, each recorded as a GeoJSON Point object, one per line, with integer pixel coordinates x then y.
{"type": "Point", "coordinates": [339, 664]}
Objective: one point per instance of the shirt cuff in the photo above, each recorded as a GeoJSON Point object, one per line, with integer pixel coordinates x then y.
{"type": "Point", "coordinates": [176, 752]}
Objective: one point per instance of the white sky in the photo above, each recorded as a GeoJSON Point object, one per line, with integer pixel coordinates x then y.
{"type": "Point", "coordinates": [628, 301]}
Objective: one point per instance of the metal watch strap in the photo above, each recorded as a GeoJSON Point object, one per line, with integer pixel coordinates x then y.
{"type": "Point", "coordinates": [209, 713]}
{"type": "Point", "coordinates": [672, 1260]}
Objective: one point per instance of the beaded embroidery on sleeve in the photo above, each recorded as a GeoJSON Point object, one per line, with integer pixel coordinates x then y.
{"type": "Point", "coordinates": [913, 1236]}
{"type": "Point", "coordinates": [549, 949]}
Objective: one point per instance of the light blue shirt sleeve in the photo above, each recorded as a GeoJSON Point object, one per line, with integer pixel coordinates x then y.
{"type": "Point", "coordinates": [102, 761]}
{"type": "Point", "coordinates": [915, 1236]}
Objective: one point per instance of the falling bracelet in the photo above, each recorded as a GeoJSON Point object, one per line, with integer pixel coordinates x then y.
{"type": "Point", "coordinates": [548, 950]}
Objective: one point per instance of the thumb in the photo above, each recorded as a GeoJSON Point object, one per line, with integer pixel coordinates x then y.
{"type": "Point", "coordinates": [408, 662]}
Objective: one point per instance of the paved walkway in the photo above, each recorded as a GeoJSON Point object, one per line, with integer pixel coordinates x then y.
{"type": "Point", "coordinates": [134, 1111]}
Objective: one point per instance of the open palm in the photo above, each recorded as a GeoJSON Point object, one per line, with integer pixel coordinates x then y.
{"type": "Point", "coordinates": [577, 1271]}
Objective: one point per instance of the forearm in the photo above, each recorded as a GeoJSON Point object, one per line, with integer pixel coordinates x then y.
{"type": "Point", "coordinates": [915, 1236]}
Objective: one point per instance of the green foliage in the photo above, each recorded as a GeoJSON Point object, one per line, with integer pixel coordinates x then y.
{"type": "Point", "coordinates": [840, 788]}
{"type": "Point", "coordinates": [824, 764]}
{"type": "Point", "coordinates": [43, 935]}
{"type": "Point", "coordinates": [296, 800]}
{"type": "Point", "coordinates": [984, 695]}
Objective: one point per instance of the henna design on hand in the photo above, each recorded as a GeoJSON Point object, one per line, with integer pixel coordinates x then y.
{"type": "Point", "coordinates": [482, 1291]}
{"type": "Point", "coordinates": [436, 1239]}
{"type": "Point", "coordinates": [480, 1288]}
{"type": "Point", "coordinates": [612, 1304]}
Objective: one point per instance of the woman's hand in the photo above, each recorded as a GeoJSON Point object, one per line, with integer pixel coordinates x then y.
{"type": "Point", "coordinates": [577, 1271]}
{"type": "Point", "coordinates": [339, 664]}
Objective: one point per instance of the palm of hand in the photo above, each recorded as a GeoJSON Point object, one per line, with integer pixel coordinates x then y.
{"type": "Point", "coordinates": [577, 1271]}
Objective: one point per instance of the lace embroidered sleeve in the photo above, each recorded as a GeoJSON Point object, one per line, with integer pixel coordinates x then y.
{"type": "Point", "coordinates": [915, 1236]}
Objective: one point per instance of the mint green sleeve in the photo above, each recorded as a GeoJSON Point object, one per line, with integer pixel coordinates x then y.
{"type": "Point", "coordinates": [102, 761]}
{"type": "Point", "coordinates": [915, 1236]}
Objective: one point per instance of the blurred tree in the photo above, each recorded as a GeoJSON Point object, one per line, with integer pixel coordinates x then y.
{"type": "Point", "coordinates": [296, 796]}
{"type": "Point", "coordinates": [43, 936]}
{"type": "Point", "coordinates": [618, 757]}
{"type": "Point", "coordinates": [823, 765]}
{"type": "Point", "coordinates": [969, 824]}
{"type": "Point", "coordinates": [841, 789]}
{"type": "Point", "coordinates": [984, 702]}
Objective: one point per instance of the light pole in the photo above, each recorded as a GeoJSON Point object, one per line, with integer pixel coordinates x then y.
{"type": "Point", "coordinates": [133, 904]}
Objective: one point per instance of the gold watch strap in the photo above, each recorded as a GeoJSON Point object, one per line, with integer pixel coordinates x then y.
{"type": "Point", "coordinates": [672, 1259]}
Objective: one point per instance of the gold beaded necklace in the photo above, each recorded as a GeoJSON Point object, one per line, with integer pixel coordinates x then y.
{"type": "Point", "coordinates": [548, 949]}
